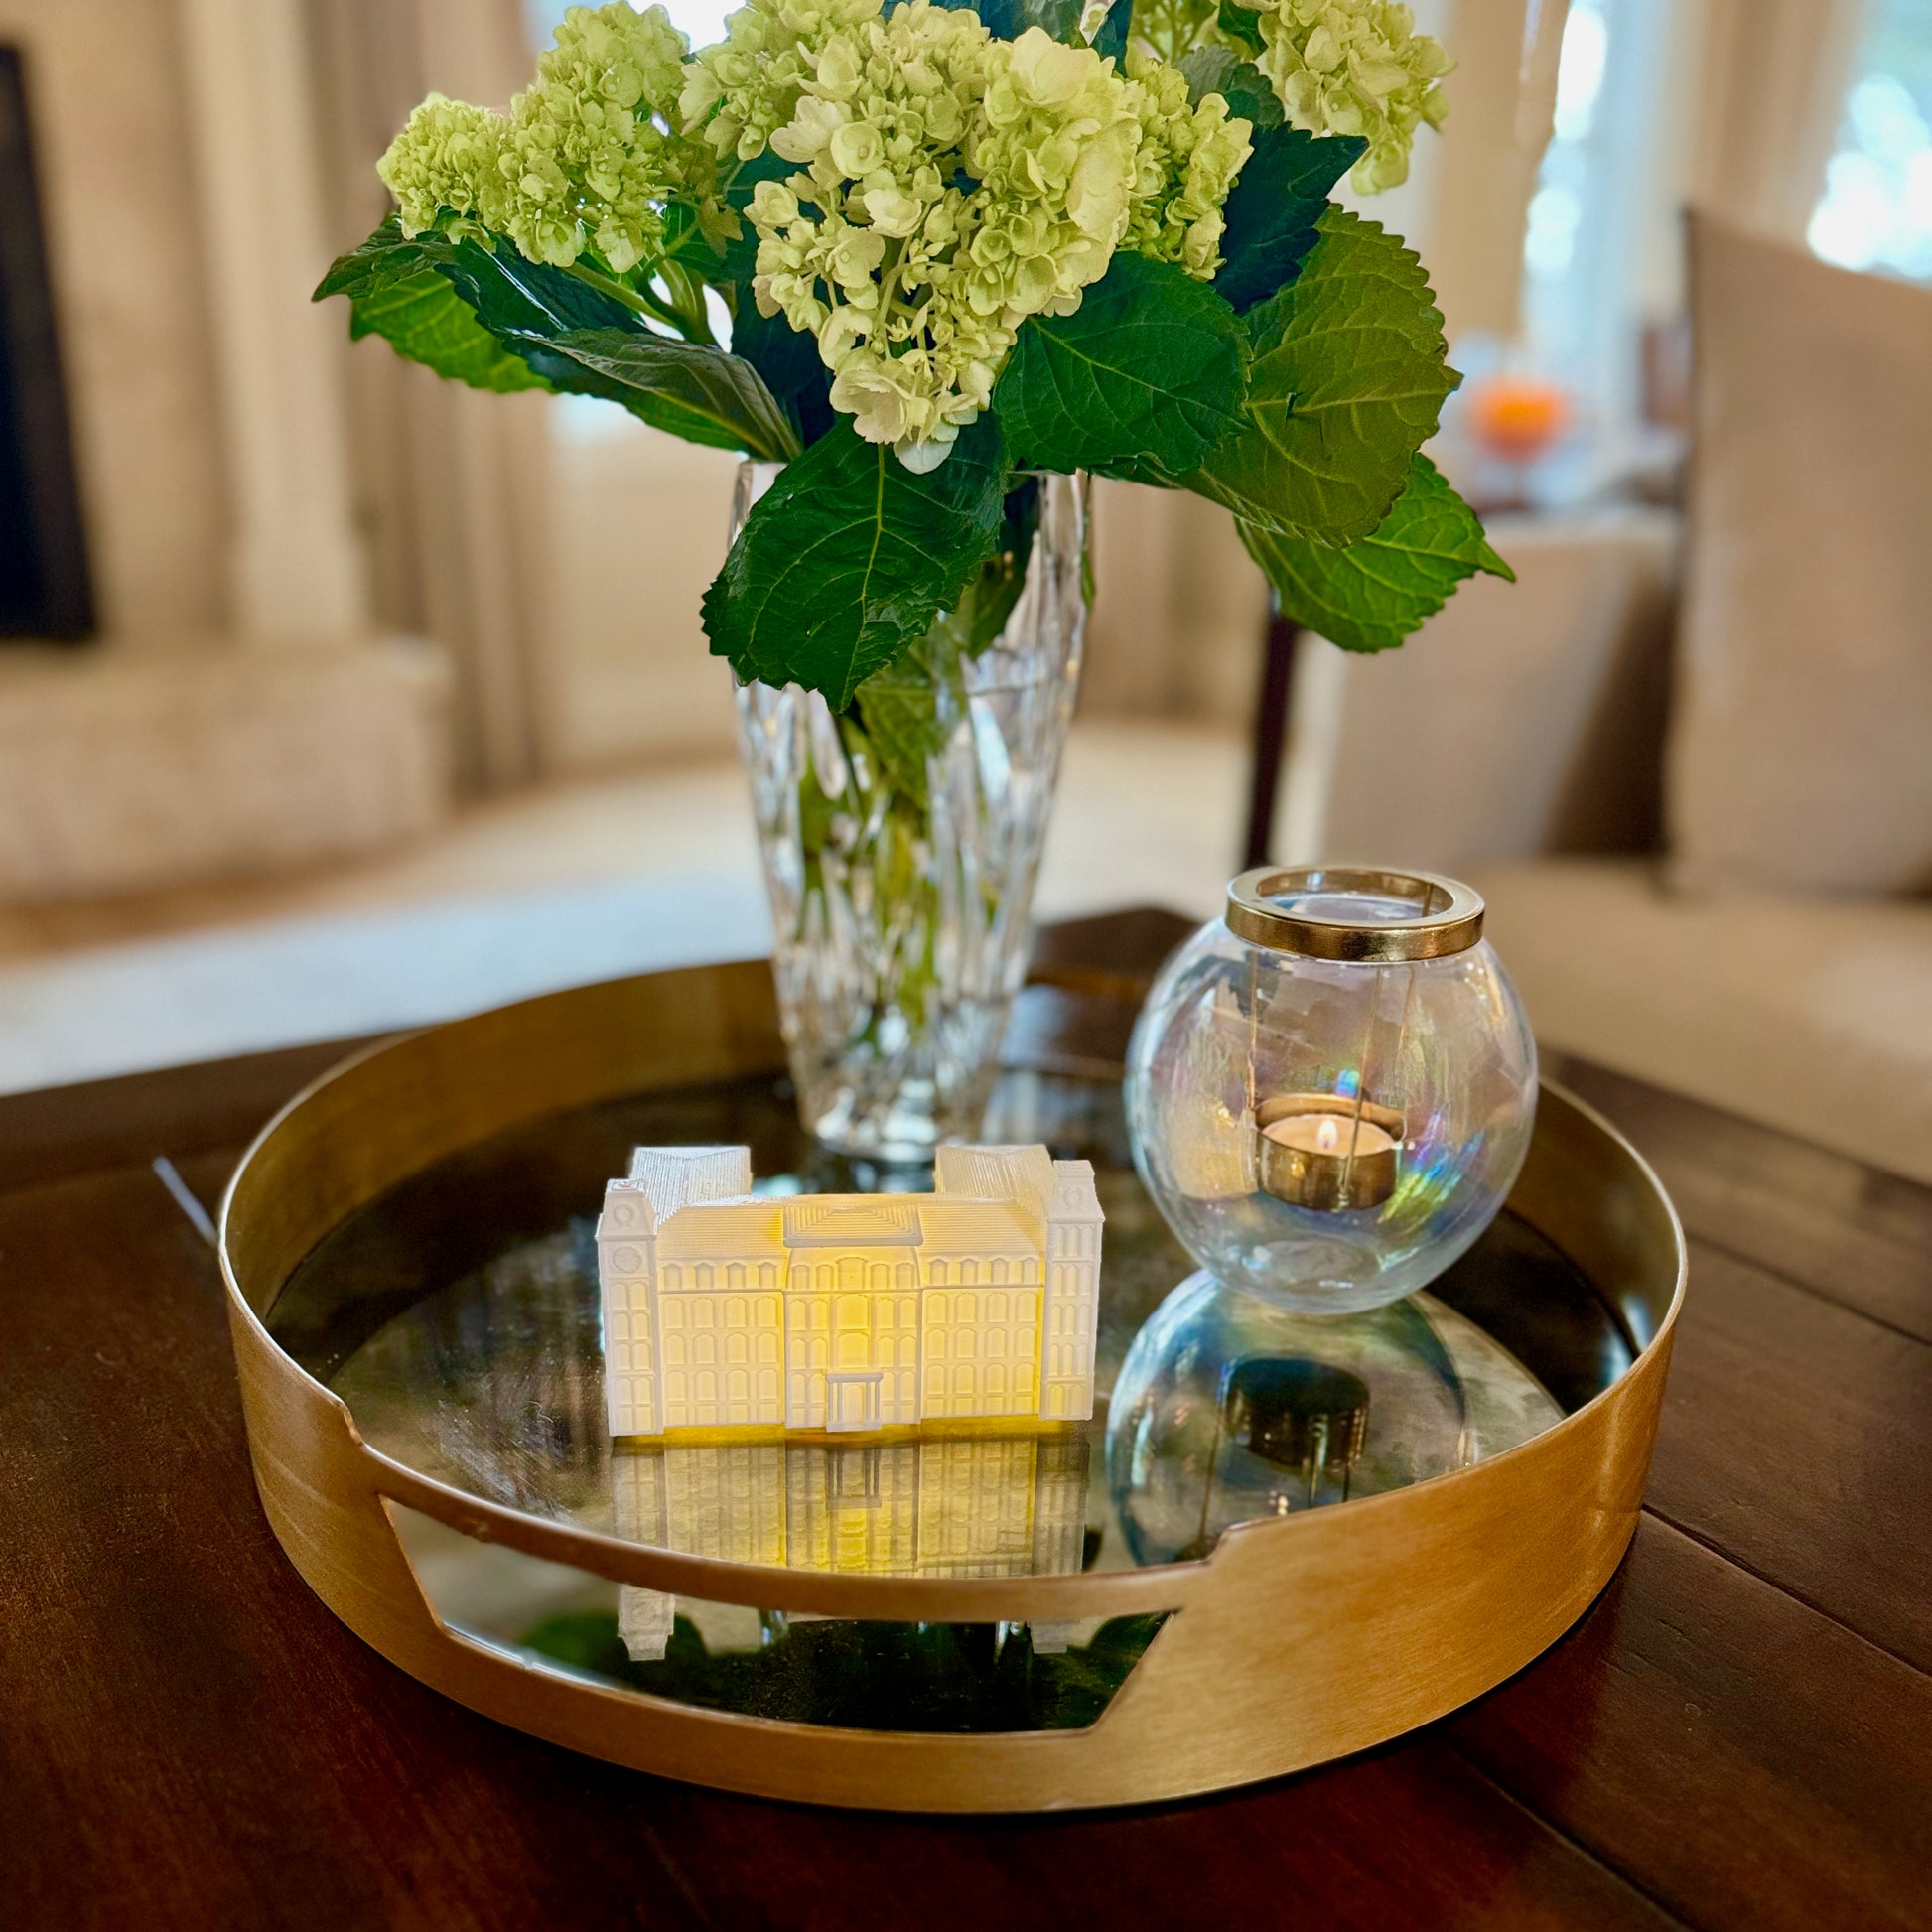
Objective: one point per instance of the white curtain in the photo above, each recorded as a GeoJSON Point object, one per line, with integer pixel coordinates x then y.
{"type": "Point", "coordinates": [451, 485]}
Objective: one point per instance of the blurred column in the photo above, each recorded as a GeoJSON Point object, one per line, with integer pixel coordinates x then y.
{"type": "Point", "coordinates": [1502, 95]}
{"type": "Point", "coordinates": [297, 572]}
{"type": "Point", "coordinates": [1773, 76]}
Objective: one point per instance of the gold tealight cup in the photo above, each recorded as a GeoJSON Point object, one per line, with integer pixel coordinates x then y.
{"type": "Point", "coordinates": [1327, 1152]}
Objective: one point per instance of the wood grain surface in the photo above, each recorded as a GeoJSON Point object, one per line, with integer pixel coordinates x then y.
{"type": "Point", "coordinates": [1736, 1735]}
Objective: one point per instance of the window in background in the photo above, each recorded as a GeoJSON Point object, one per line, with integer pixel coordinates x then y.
{"type": "Point", "coordinates": [1876, 212]}
{"type": "Point", "coordinates": [1586, 239]}
{"type": "Point", "coordinates": [1554, 417]}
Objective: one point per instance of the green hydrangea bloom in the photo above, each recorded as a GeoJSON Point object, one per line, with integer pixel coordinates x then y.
{"type": "Point", "coordinates": [586, 157]}
{"type": "Point", "coordinates": [583, 162]}
{"type": "Point", "coordinates": [1355, 66]}
{"type": "Point", "coordinates": [951, 185]}
{"type": "Point", "coordinates": [1189, 159]}
{"type": "Point", "coordinates": [755, 75]}
{"type": "Point", "coordinates": [446, 157]}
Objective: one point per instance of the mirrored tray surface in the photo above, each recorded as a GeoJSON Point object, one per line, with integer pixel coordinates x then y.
{"type": "Point", "coordinates": [457, 1315]}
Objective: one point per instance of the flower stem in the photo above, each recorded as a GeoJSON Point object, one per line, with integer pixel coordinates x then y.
{"type": "Point", "coordinates": [640, 302]}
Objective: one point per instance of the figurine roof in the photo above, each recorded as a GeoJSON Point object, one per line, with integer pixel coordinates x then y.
{"type": "Point", "coordinates": [699, 1200]}
{"type": "Point", "coordinates": [834, 1220]}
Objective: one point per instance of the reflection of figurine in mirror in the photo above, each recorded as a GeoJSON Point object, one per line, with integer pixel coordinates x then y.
{"type": "Point", "coordinates": [976, 1303]}
{"type": "Point", "coordinates": [950, 1507]}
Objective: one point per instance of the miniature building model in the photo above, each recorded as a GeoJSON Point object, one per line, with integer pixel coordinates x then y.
{"type": "Point", "coordinates": [848, 1311]}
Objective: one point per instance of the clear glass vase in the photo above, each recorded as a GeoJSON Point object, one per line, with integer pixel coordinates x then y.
{"type": "Point", "coordinates": [902, 837]}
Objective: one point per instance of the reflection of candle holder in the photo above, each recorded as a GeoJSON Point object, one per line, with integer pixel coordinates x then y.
{"type": "Point", "coordinates": [1230, 1407]}
{"type": "Point", "coordinates": [1299, 1415]}
{"type": "Point", "coordinates": [1295, 1414]}
{"type": "Point", "coordinates": [1328, 1151]}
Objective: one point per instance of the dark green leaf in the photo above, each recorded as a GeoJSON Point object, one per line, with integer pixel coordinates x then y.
{"type": "Point", "coordinates": [1274, 207]}
{"type": "Point", "coordinates": [395, 292]}
{"type": "Point", "coordinates": [1378, 590]}
{"type": "Point", "coordinates": [514, 296]}
{"type": "Point", "coordinates": [1347, 382]}
{"type": "Point", "coordinates": [482, 314]}
{"type": "Point", "coordinates": [697, 392]}
{"type": "Point", "coordinates": [1239, 83]}
{"type": "Point", "coordinates": [789, 360]}
{"type": "Point", "coordinates": [1147, 373]}
{"type": "Point", "coordinates": [849, 557]}
{"type": "Point", "coordinates": [387, 257]}
{"type": "Point", "coordinates": [1110, 37]}
{"type": "Point", "coordinates": [1007, 20]}
{"type": "Point", "coordinates": [424, 318]}
{"type": "Point", "coordinates": [538, 311]}
{"type": "Point", "coordinates": [1241, 25]}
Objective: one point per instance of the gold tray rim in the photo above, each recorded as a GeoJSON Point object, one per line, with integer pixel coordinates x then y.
{"type": "Point", "coordinates": [328, 1493]}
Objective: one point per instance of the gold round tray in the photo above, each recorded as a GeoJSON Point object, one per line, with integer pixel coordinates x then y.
{"type": "Point", "coordinates": [1296, 1640]}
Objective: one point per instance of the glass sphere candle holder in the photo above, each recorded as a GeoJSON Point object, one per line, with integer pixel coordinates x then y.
{"type": "Point", "coordinates": [1331, 1089]}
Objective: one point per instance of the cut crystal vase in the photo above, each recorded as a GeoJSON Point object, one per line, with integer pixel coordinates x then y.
{"type": "Point", "coordinates": [902, 837]}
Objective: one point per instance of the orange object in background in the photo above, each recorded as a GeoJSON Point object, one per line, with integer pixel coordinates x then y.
{"type": "Point", "coordinates": [1518, 417]}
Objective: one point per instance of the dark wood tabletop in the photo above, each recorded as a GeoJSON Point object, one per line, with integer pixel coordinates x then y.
{"type": "Point", "coordinates": [1738, 1733]}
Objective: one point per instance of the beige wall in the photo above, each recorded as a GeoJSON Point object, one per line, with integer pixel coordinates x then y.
{"type": "Point", "coordinates": [106, 92]}
{"type": "Point", "coordinates": [638, 527]}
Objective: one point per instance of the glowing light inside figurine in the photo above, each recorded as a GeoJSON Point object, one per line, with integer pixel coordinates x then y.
{"type": "Point", "coordinates": [848, 1312]}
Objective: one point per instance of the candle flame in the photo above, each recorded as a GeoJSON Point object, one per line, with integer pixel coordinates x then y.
{"type": "Point", "coordinates": [1327, 1137]}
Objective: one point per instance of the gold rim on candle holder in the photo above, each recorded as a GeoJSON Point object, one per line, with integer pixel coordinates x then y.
{"type": "Point", "coordinates": [1449, 919]}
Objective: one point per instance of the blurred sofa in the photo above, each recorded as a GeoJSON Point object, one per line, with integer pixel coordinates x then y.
{"type": "Point", "coordinates": [1691, 769]}
{"type": "Point", "coordinates": [1528, 757]}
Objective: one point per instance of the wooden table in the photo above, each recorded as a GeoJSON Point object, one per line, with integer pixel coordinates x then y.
{"type": "Point", "coordinates": [1739, 1734]}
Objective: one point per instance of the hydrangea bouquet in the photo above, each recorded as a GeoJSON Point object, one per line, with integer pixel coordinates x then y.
{"type": "Point", "coordinates": [953, 251]}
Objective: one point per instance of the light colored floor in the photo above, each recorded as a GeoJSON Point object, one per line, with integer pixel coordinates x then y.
{"type": "Point", "coordinates": [550, 890]}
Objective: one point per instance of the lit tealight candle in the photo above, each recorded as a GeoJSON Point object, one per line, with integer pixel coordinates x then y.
{"type": "Point", "coordinates": [1327, 1160]}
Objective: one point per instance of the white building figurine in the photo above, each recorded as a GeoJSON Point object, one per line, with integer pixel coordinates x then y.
{"type": "Point", "coordinates": [722, 1308]}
